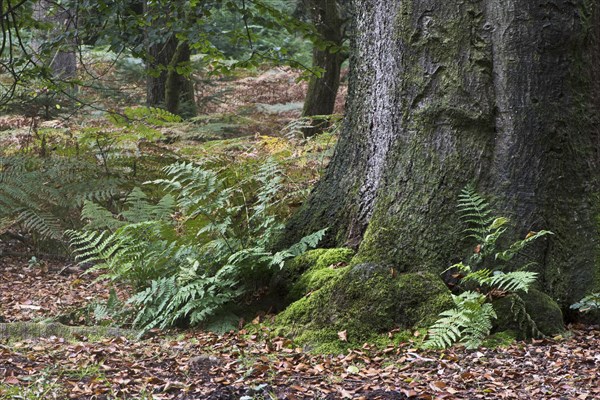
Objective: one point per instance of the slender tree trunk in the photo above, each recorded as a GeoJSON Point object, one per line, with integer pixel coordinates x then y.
{"type": "Point", "coordinates": [159, 57]}
{"type": "Point", "coordinates": [322, 90]}
{"type": "Point", "coordinates": [62, 60]}
{"type": "Point", "coordinates": [165, 86]}
{"type": "Point", "coordinates": [500, 93]}
{"type": "Point", "coordinates": [179, 87]}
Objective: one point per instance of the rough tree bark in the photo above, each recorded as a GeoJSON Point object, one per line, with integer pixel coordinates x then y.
{"type": "Point", "coordinates": [502, 93]}
{"type": "Point", "coordinates": [322, 91]}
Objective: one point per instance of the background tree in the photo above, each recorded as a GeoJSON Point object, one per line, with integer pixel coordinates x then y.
{"type": "Point", "coordinates": [504, 94]}
{"type": "Point", "coordinates": [328, 56]}
{"type": "Point", "coordinates": [57, 35]}
{"type": "Point", "coordinates": [167, 55]}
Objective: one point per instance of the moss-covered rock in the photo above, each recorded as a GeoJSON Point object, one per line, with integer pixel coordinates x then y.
{"type": "Point", "coordinates": [312, 280]}
{"type": "Point", "coordinates": [320, 266]}
{"type": "Point", "coordinates": [298, 265]}
{"type": "Point", "coordinates": [542, 314]}
{"type": "Point", "coordinates": [363, 300]}
{"type": "Point", "coordinates": [287, 284]}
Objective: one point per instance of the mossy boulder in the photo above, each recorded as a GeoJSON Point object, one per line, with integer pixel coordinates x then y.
{"type": "Point", "coordinates": [319, 267]}
{"type": "Point", "coordinates": [319, 259]}
{"type": "Point", "coordinates": [542, 314]}
{"type": "Point", "coordinates": [286, 282]}
{"type": "Point", "coordinates": [364, 300]}
{"type": "Point", "coordinates": [312, 280]}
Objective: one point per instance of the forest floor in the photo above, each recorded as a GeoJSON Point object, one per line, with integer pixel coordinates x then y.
{"type": "Point", "coordinates": [252, 364]}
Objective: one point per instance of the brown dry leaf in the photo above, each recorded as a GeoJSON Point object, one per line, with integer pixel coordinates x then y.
{"type": "Point", "coordinates": [11, 380]}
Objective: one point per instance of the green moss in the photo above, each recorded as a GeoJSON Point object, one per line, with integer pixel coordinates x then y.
{"type": "Point", "coordinates": [364, 300]}
{"type": "Point", "coordinates": [27, 330]}
{"type": "Point", "coordinates": [334, 256]}
{"type": "Point", "coordinates": [543, 314]}
{"type": "Point", "coordinates": [303, 274]}
{"type": "Point", "coordinates": [313, 280]}
{"type": "Point", "coordinates": [323, 341]}
{"type": "Point", "coordinates": [500, 339]}
{"type": "Point", "coordinates": [305, 261]}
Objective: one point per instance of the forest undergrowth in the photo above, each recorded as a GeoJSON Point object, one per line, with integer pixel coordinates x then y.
{"type": "Point", "coordinates": [97, 162]}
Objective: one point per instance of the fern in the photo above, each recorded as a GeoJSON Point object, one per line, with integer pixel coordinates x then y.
{"type": "Point", "coordinates": [99, 218]}
{"type": "Point", "coordinates": [139, 209]}
{"type": "Point", "coordinates": [588, 303]}
{"type": "Point", "coordinates": [475, 213]}
{"type": "Point", "coordinates": [519, 245]}
{"type": "Point", "coordinates": [470, 320]}
{"type": "Point", "coordinates": [42, 196]}
{"type": "Point", "coordinates": [512, 281]}
{"type": "Point", "coordinates": [169, 300]}
{"type": "Point", "coordinates": [522, 317]}
{"type": "Point", "coordinates": [195, 251]}
{"type": "Point", "coordinates": [134, 253]}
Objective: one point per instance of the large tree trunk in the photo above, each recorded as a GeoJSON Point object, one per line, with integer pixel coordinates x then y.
{"type": "Point", "coordinates": [502, 93]}
{"type": "Point", "coordinates": [323, 89]}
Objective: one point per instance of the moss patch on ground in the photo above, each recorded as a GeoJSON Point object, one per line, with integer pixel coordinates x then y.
{"type": "Point", "coordinates": [33, 330]}
{"type": "Point", "coordinates": [364, 300]}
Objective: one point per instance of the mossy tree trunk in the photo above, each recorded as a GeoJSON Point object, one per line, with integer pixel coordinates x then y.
{"type": "Point", "coordinates": [159, 57]}
{"type": "Point", "coordinates": [167, 56]}
{"type": "Point", "coordinates": [178, 86]}
{"type": "Point", "coordinates": [501, 93]}
{"type": "Point", "coordinates": [322, 90]}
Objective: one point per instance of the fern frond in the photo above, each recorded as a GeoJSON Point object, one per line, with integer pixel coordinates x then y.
{"type": "Point", "coordinates": [588, 303]}
{"type": "Point", "coordinates": [44, 223]}
{"type": "Point", "coordinates": [307, 242]}
{"type": "Point", "coordinates": [516, 247]}
{"type": "Point", "coordinates": [513, 281]}
{"type": "Point", "coordinates": [98, 217]}
{"type": "Point", "coordinates": [475, 213]}
{"type": "Point", "coordinates": [479, 326]}
{"type": "Point", "coordinates": [481, 276]}
{"type": "Point", "coordinates": [470, 320]}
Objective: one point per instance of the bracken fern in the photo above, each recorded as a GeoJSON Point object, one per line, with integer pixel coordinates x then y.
{"type": "Point", "coordinates": [195, 251]}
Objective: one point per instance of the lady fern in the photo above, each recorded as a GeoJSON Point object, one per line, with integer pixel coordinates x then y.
{"type": "Point", "coordinates": [42, 196]}
{"type": "Point", "coordinates": [475, 213]}
{"type": "Point", "coordinates": [471, 319]}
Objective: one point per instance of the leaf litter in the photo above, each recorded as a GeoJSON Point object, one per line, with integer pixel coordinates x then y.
{"type": "Point", "coordinates": [251, 364]}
